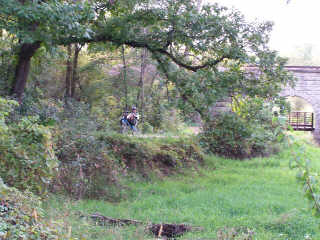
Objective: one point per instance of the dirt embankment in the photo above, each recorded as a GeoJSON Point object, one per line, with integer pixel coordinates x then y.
{"type": "Point", "coordinates": [96, 167]}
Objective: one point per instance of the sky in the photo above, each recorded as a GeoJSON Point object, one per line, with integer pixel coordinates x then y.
{"type": "Point", "coordinates": [295, 24]}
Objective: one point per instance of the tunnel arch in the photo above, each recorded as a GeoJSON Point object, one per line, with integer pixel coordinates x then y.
{"type": "Point", "coordinates": [316, 111]}
{"type": "Point", "coordinates": [306, 92]}
{"type": "Point", "coordinates": [306, 87]}
{"type": "Point", "coordinates": [311, 101]}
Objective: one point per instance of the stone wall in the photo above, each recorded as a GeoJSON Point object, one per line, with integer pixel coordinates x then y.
{"type": "Point", "coordinates": [308, 88]}
{"type": "Point", "coordinates": [221, 106]}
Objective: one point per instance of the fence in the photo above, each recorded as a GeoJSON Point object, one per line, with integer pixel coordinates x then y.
{"type": "Point", "coordinates": [301, 121]}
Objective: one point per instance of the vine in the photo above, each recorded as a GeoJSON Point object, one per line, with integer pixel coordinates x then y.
{"type": "Point", "coordinates": [307, 176]}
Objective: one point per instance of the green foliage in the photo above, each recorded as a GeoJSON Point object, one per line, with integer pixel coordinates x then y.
{"type": "Point", "coordinates": [94, 166]}
{"type": "Point", "coordinates": [249, 131]}
{"type": "Point", "coordinates": [195, 73]}
{"type": "Point", "coordinates": [55, 19]}
{"type": "Point", "coordinates": [154, 112]}
{"type": "Point", "coordinates": [146, 127]}
{"type": "Point", "coordinates": [6, 106]}
{"type": "Point", "coordinates": [308, 176]}
{"type": "Point", "coordinates": [47, 111]}
{"type": "Point", "coordinates": [7, 61]}
{"type": "Point", "coordinates": [225, 197]}
{"type": "Point", "coordinates": [247, 109]}
{"type": "Point", "coordinates": [227, 135]}
{"type": "Point", "coordinates": [27, 159]}
{"type": "Point", "coordinates": [172, 121]}
{"type": "Point", "coordinates": [70, 223]}
{"type": "Point", "coordinates": [107, 112]}
{"type": "Point", "coordinates": [21, 216]}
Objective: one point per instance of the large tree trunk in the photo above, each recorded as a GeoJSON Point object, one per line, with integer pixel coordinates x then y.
{"type": "Point", "coordinates": [25, 54]}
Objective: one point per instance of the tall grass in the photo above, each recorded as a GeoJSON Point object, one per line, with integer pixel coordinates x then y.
{"type": "Point", "coordinates": [260, 194]}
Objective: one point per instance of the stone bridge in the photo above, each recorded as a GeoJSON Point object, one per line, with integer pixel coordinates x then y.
{"type": "Point", "coordinates": [308, 88]}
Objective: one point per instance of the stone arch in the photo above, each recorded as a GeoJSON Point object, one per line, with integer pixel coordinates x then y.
{"type": "Point", "coordinates": [306, 87]}
{"type": "Point", "coordinates": [314, 102]}
{"type": "Point", "coordinates": [307, 98]}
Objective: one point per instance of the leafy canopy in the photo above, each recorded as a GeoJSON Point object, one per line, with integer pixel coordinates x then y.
{"type": "Point", "coordinates": [203, 51]}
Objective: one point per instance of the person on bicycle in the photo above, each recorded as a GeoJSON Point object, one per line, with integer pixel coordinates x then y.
{"type": "Point", "coordinates": [131, 119]}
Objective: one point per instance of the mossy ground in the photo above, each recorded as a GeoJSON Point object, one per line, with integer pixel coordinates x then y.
{"type": "Point", "coordinates": [260, 194]}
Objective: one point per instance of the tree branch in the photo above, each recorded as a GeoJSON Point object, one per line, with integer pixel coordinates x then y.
{"type": "Point", "coordinates": [184, 96]}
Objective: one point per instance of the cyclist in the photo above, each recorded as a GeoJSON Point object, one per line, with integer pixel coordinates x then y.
{"type": "Point", "coordinates": [131, 119]}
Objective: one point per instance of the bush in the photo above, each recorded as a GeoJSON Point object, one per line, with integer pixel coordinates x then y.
{"type": "Point", "coordinates": [172, 121]}
{"type": "Point", "coordinates": [94, 166]}
{"type": "Point", "coordinates": [146, 127]}
{"type": "Point", "coordinates": [33, 104]}
{"type": "Point", "coordinates": [21, 216]}
{"type": "Point", "coordinates": [232, 136]}
{"type": "Point", "coordinates": [27, 159]}
{"type": "Point", "coordinates": [227, 135]}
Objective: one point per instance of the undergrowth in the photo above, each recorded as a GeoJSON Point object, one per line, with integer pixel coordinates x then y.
{"type": "Point", "coordinates": [95, 166]}
{"type": "Point", "coordinates": [250, 199]}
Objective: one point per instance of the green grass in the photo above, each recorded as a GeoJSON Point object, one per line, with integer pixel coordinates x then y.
{"type": "Point", "coordinates": [261, 194]}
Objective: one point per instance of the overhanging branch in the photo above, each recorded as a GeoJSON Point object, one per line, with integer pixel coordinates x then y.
{"type": "Point", "coordinates": [184, 96]}
{"type": "Point", "coordinates": [141, 44]}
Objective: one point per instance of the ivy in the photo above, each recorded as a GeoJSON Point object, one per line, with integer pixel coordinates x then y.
{"type": "Point", "coordinates": [27, 159]}
{"type": "Point", "coordinates": [21, 216]}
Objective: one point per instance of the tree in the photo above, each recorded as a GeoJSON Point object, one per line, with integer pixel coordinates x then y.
{"type": "Point", "coordinates": [68, 72]}
{"type": "Point", "coordinates": [219, 42]}
{"type": "Point", "coordinates": [36, 23]}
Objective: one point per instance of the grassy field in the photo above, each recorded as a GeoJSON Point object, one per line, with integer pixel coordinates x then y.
{"type": "Point", "coordinates": [258, 197]}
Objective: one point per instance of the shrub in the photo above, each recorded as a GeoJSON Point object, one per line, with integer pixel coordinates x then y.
{"type": "Point", "coordinates": [94, 166]}
{"type": "Point", "coordinates": [227, 135]}
{"type": "Point", "coordinates": [27, 159]}
{"type": "Point", "coordinates": [172, 121]}
{"type": "Point", "coordinates": [233, 136]}
{"type": "Point", "coordinates": [146, 127]}
{"type": "Point", "coordinates": [33, 104]}
{"type": "Point", "coordinates": [21, 216]}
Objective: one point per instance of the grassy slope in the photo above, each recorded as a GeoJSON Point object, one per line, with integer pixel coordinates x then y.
{"type": "Point", "coordinates": [260, 194]}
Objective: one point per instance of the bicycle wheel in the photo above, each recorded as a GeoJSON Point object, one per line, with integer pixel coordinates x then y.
{"type": "Point", "coordinates": [124, 128]}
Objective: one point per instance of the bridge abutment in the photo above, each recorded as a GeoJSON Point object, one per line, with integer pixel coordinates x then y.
{"type": "Point", "coordinates": [316, 132]}
{"type": "Point", "coordinates": [307, 87]}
